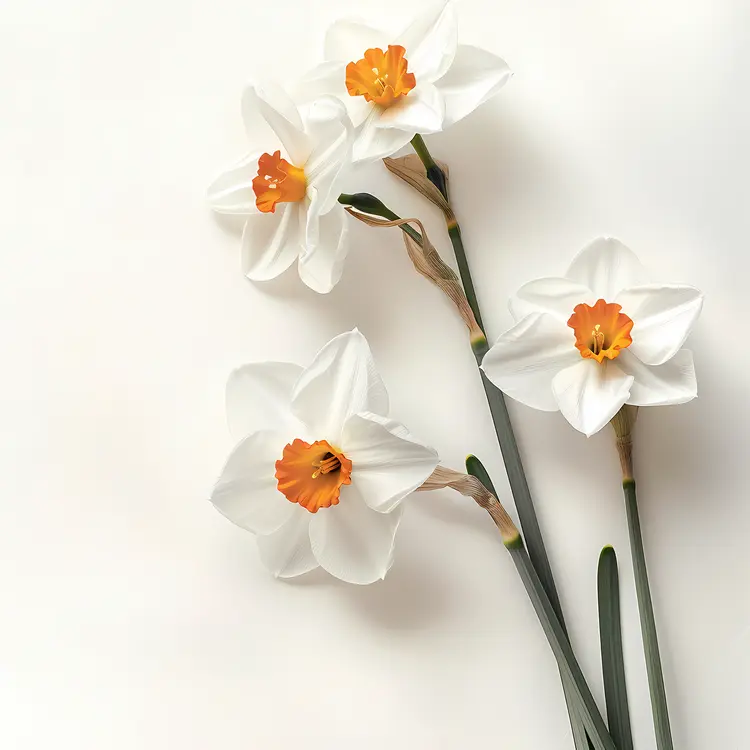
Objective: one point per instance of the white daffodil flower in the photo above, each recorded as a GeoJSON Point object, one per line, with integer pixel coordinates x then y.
{"type": "Point", "coordinates": [396, 85]}
{"type": "Point", "coordinates": [624, 346]}
{"type": "Point", "coordinates": [288, 186]}
{"type": "Point", "coordinates": [320, 471]}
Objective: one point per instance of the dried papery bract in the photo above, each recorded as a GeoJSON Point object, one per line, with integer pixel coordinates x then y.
{"type": "Point", "coordinates": [471, 487]}
{"type": "Point", "coordinates": [411, 170]}
{"type": "Point", "coordinates": [428, 262]}
{"type": "Point", "coordinates": [623, 423]}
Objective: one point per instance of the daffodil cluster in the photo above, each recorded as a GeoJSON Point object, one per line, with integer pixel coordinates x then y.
{"type": "Point", "coordinates": [371, 95]}
{"type": "Point", "coordinates": [320, 470]}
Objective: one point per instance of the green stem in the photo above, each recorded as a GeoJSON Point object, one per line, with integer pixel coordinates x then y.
{"type": "Point", "coordinates": [454, 232]}
{"type": "Point", "coordinates": [499, 410]}
{"type": "Point", "coordinates": [503, 428]}
{"type": "Point", "coordinates": [588, 712]}
{"type": "Point", "coordinates": [648, 623]}
{"type": "Point", "coordinates": [518, 483]}
{"type": "Point", "coordinates": [580, 739]}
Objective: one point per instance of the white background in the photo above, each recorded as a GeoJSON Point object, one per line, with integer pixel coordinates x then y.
{"type": "Point", "coordinates": [134, 615]}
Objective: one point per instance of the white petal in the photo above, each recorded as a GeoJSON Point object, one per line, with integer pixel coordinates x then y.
{"type": "Point", "coordinates": [474, 77]}
{"type": "Point", "coordinates": [524, 360]}
{"type": "Point", "coordinates": [268, 108]}
{"type": "Point", "coordinates": [341, 381]}
{"type": "Point", "coordinates": [271, 242]}
{"type": "Point", "coordinates": [419, 112]}
{"type": "Point", "coordinates": [246, 491]}
{"type": "Point", "coordinates": [259, 397]}
{"type": "Point", "coordinates": [606, 267]}
{"type": "Point", "coordinates": [372, 142]}
{"type": "Point", "coordinates": [558, 297]}
{"type": "Point", "coordinates": [332, 134]}
{"type": "Point", "coordinates": [673, 382]}
{"type": "Point", "coordinates": [232, 191]}
{"type": "Point", "coordinates": [348, 39]}
{"type": "Point", "coordinates": [286, 552]}
{"type": "Point", "coordinates": [589, 394]}
{"type": "Point", "coordinates": [663, 315]}
{"type": "Point", "coordinates": [386, 466]}
{"type": "Point", "coordinates": [329, 79]}
{"type": "Point", "coordinates": [353, 542]}
{"type": "Point", "coordinates": [325, 79]}
{"type": "Point", "coordinates": [394, 427]}
{"type": "Point", "coordinates": [430, 42]}
{"type": "Point", "coordinates": [326, 246]}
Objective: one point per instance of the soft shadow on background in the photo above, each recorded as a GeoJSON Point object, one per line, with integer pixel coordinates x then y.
{"type": "Point", "coordinates": [139, 617]}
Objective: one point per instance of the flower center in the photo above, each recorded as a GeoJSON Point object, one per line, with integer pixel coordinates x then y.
{"type": "Point", "coordinates": [278, 181]}
{"type": "Point", "coordinates": [381, 77]}
{"type": "Point", "coordinates": [601, 331]}
{"type": "Point", "coordinates": [312, 475]}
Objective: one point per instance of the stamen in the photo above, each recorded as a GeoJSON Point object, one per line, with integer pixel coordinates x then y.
{"type": "Point", "coordinates": [598, 342]}
{"type": "Point", "coordinates": [326, 466]}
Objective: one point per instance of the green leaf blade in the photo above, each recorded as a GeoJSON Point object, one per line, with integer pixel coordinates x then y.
{"type": "Point", "coordinates": [587, 710]}
{"type": "Point", "coordinates": [613, 666]}
{"type": "Point", "coordinates": [580, 738]}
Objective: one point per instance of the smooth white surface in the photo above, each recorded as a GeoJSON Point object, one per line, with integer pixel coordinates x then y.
{"type": "Point", "coordinates": [134, 615]}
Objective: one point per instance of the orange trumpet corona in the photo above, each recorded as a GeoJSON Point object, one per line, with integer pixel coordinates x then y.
{"type": "Point", "coordinates": [381, 77]}
{"type": "Point", "coordinates": [312, 474]}
{"type": "Point", "coordinates": [601, 331]}
{"type": "Point", "coordinates": [278, 181]}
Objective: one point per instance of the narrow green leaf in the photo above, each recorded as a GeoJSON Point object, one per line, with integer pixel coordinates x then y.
{"type": "Point", "coordinates": [580, 739]}
{"type": "Point", "coordinates": [586, 706]}
{"type": "Point", "coordinates": [648, 623]}
{"type": "Point", "coordinates": [610, 634]}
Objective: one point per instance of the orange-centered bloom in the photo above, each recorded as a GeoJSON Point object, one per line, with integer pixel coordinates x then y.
{"type": "Point", "coordinates": [381, 77]}
{"type": "Point", "coordinates": [278, 475]}
{"type": "Point", "coordinates": [278, 181]}
{"type": "Point", "coordinates": [312, 475]}
{"type": "Point", "coordinates": [601, 331]}
{"type": "Point", "coordinates": [613, 359]}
